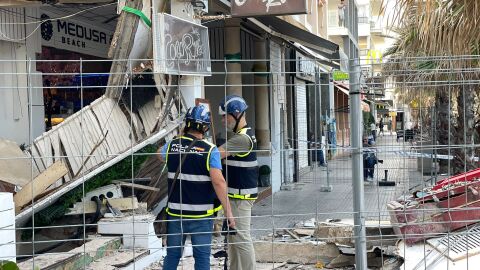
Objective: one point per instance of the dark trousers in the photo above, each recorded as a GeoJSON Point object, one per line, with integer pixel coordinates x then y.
{"type": "Point", "coordinates": [317, 156]}
{"type": "Point", "coordinates": [368, 167]}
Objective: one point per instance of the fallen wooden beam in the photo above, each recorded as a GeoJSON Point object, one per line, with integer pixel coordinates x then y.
{"type": "Point", "coordinates": [135, 186]}
{"type": "Point", "coordinates": [292, 234]}
{"type": "Point", "coordinates": [121, 204]}
{"type": "Point", "coordinates": [120, 49]}
{"type": "Point", "coordinates": [39, 184]}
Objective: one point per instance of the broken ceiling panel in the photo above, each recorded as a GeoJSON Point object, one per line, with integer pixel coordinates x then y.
{"type": "Point", "coordinates": [15, 167]}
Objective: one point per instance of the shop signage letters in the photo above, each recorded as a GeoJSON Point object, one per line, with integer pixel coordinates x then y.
{"type": "Point", "coordinates": [180, 47]}
{"type": "Point", "coordinates": [73, 35]}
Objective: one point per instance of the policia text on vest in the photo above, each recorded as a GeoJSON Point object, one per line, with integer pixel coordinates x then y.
{"type": "Point", "coordinates": [195, 181]}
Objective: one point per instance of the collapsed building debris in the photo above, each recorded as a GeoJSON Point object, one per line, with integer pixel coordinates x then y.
{"type": "Point", "coordinates": [330, 243]}
{"type": "Point", "coordinates": [428, 212]}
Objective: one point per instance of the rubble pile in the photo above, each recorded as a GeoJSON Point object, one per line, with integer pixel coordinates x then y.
{"type": "Point", "coordinates": [328, 244]}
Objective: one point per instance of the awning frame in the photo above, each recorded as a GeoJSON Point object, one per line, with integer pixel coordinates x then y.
{"type": "Point", "coordinates": [330, 50]}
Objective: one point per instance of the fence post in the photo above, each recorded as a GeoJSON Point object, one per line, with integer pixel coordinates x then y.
{"type": "Point", "coordinates": [357, 164]}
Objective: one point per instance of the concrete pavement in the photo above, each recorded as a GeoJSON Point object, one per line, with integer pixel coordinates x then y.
{"type": "Point", "coordinates": [306, 200]}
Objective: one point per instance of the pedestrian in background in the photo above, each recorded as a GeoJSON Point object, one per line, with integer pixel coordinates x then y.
{"type": "Point", "coordinates": [381, 126]}
{"type": "Point", "coordinates": [369, 161]}
{"type": "Point", "coordinates": [341, 13]}
{"type": "Point", "coordinates": [315, 150]}
{"type": "Point", "coordinates": [373, 130]}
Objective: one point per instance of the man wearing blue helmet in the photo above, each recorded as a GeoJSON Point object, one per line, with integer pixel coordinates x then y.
{"type": "Point", "coordinates": [241, 171]}
{"type": "Point", "coordinates": [195, 180]}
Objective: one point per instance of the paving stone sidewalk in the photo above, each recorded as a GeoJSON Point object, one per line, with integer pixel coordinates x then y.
{"type": "Point", "coordinates": [306, 200]}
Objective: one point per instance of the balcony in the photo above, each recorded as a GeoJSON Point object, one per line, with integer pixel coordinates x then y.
{"type": "Point", "coordinates": [333, 27]}
{"type": "Point", "coordinates": [376, 86]}
{"type": "Point", "coordinates": [377, 25]}
{"type": "Point", "coordinates": [363, 20]}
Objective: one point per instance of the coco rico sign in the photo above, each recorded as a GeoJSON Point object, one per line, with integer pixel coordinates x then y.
{"type": "Point", "coordinates": [247, 8]}
{"type": "Point", "coordinates": [75, 36]}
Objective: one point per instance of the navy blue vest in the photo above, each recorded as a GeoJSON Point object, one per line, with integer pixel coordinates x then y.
{"type": "Point", "coordinates": [193, 195]}
{"type": "Point", "coordinates": [241, 170]}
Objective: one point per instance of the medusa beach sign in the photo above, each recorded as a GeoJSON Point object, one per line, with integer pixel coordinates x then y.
{"type": "Point", "coordinates": [246, 8]}
{"type": "Point", "coordinates": [180, 47]}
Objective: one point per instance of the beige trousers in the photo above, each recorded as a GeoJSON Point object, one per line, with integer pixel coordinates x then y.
{"type": "Point", "coordinates": [240, 247]}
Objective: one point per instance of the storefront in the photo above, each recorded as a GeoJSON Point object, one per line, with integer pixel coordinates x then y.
{"type": "Point", "coordinates": [306, 101]}
{"type": "Point", "coordinates": [73, 60]}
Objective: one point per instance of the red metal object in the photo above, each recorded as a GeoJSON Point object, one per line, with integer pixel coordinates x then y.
{"type": "Point", "coordinates": [468, 176]}
{"type": "Point", "coordinates": [446, 210]}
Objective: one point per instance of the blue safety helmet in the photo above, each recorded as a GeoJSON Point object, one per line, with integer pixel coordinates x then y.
{"type": "Point", "coordinates": [199, 115]}
{"type": "Point", "coordinates": [232, 104]}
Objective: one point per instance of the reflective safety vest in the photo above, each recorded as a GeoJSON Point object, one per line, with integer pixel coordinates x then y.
{"type": "Point", "coordinates": [193, 195]}
{"type": "Point", "coordinates": [241, 170]}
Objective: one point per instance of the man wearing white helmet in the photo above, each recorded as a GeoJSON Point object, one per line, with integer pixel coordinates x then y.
{"type": "Point", "coordinates": [241, 173]}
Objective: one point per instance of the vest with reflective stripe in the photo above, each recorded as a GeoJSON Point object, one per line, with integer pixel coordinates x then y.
{"type": "Point", "coordinates": [241, 170]}
{"type": "Point", "coordinates": [193, 195]}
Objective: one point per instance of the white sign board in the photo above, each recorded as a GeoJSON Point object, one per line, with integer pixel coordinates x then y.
{"type": "Point", "coordinates": [73, 35]}
{"type": "Point", "coordinates": [305, 67]}
{"type": "Point", "coordinates": [180, 47]}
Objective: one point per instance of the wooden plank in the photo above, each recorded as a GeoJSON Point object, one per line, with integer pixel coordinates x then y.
{"type": "Point", "coordinates": [103, 114]}
{"type": "Point", "coordinates": [86, 145]}
{"type": "Point", "coordinates": [152, 113]}
{"type": "Point", "coordinates": [74, 138]}
{"type": "Point", "coordinates": [103, 126]}
{"type": "Point", "coordinates": [45, 149]}
{"type": "Point", "coordinates": [69, 150]}
{"type": "Point", "coordinates": [94, 131]}
{"type": "Point", "coordinates": [114, 131]}
{"type": "Point", "coordinates": [121, 204]}
{"type": "Point", "coordinates": [146, 123]}
{"type": "Point", "coordinates": [293, 235]}
{"type": "Point", "coordinates": [39, 184]}
{"type": "Point", "coordinates": [56, 147]}
{"type": "Point", "coordinates": [121, 47]}
{"type": "Point", "coordinates": [135, 186]}
{"type": "Point", "coordinates": [89, 144]}
{"type": "Point", "coordinates": [138, 126]}
{"type": "Point", "coordinates": [57, 155]}
{"type": "Point", "coordinates": [123, 127]}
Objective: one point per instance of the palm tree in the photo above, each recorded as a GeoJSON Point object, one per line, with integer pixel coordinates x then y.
{"type": "Point", "coordinates": [434, 51]}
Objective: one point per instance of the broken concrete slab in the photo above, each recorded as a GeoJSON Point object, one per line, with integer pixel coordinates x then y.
{"type": "Point", "coordinates": [305, 253]}
{"type": "Point", "coordinates": [304, 232]}
{"type": "Point", "coordinates": [15, 167]}
{"type": "Point", "coordinates": [77, 258]}
{"type": "Point", "coordinates": [341, 232]}
{"type": "Point", "coordinates": [137, 231]}
{"type": "Point", "coordinates": [119, 259]}
{"type": "Point", "coordinates": [334, 233]}
{"type": "Point", "coordinates": [90, 207]}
